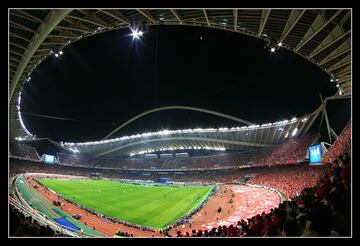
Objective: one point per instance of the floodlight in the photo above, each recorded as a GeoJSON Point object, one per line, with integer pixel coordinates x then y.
{"type": "Point", "coordinates": [61, 52]}
{"type": "Point", "coordinates": [272, 49]}
{"type": "Point", "coordinates": [337, 85]}
{"type": "Point", "coordinates": [136, 34]}
{"type": "Point", "coordinates": [56, 55]}
{"type": "Point", "coordinates": [280, 44]}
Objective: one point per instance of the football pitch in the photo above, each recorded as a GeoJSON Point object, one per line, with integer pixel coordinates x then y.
{"type": "Point", "coordinates": [152, 206]}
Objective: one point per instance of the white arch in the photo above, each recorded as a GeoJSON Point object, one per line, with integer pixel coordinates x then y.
{"type": "Point", "coordinates": [178, 107]}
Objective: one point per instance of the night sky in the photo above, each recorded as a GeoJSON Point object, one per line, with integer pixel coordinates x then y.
{"type": "Point", "coordinates": [106, 79]}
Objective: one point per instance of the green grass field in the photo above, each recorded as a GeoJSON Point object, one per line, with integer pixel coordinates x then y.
{"type": "Point", "coordinates": [152, 206]}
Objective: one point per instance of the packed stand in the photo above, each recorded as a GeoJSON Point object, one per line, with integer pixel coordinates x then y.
{"type": "Point", "coordinates": [340, 146]}
{"type": "Point", "coordinates": [323, 210]}
{"type": "Point", "coordinates": [23, 152]}
{"type": "Point", "coordinates": [199, 162]}
{"type": "Point", "coordinates": [291, 151]}
{"type": "Point", "coordinates": [290, 180]}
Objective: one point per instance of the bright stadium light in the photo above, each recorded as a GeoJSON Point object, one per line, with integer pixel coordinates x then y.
{"type": "Point", "coordinates": [61, 52]}
{"type": "Point", "coordinates": [56, 55]}
{"type": "Point", "coordinates": [280, 44]}
{"type": "Point", "coordinates": [136, 34]}
{"type": "Point", "coordinates": [272, 49]}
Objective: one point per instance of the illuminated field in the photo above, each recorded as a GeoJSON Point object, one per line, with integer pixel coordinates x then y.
{"type": "Point", "coordinates": [152, 206]}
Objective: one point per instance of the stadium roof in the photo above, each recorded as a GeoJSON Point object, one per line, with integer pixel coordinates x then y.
{"type": "Point", "coordinates": [246, 137]}
{"type": "Point", "coordinates": [321, 36]}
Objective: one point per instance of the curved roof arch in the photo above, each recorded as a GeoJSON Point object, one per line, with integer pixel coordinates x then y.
{"type": "Point", "coordinates": [322, 36]}
{"type": "Point", "coordinates": [179, 107]}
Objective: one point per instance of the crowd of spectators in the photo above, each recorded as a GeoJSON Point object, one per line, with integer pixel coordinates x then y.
{"type": "Point", "coordinates": [323, 210]}
{"type": "Point", "coordinates": [291, 151]}
{"type": "Point", "coordinates": [259, 174]}
{"type": "Point", "coordinates": [196, 162]}
{"type": "Point", "coordinates": [26, 226]}
{"type": "Point", "coordinates": [290, 179]}
{"type": "Point", "coordinates": [341, 145]}
{"type": "Point", "coordinates": [23, 152]}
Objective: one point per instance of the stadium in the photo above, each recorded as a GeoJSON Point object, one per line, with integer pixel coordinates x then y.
{"type": "Point", "coordinates": [106, 141]}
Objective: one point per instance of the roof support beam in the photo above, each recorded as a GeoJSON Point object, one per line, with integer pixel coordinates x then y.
{"type": "Point", "coordinates": [62, 36]}
{"type": "Point", "coordinates": [300, 131]}
{"type": "Point", "coordinates": [52, 43]}
{"type": "Point", "coordinates": [41, 50]}
{"type": "Point", "coordinates": [309, 123]}
{"type": "Point", "coordinates": [24, 17]}
{"type": "Point", "coordinates": [275, 132]}
{"type": "Point", "coordinates": [52, 20]}
{"type": "Point", "coordinates": [97, 23]}
{"type": "Point", "coordinates": [343, 73]}
{"type": "Point", "coordinates": [36, 19]}
{"type": "Point", "coordinates": [345, 61]}
{"type": "Point", "coordinates": [319, 23]}
{"type": "Point", "coordinates": [147, 15]}
{"type": "Point", "coordinates": [344, 78]}
{"type": "Point", "coordinates": [235, 14]}
{"type": "Point", "coordinates": [15, 24]}
{"type": "Point", "coordinates": [17, 45]}
{"type": "Point", "coordinates": [176, 13]}
{"type": "Point", "coordinates": [337, 55]}
{"type": "Point", "coordinates": [267, 135]}
{"type": "Point", "coordinates": [344, 47]}
{"type": "Point", "coordinates": [264, 17]}
{"type": "Point", "coordinates": [345, 18]}
{"type": "Point", "coordinates": [15, 60]}
{"type": "Point", "coordinates": [346, 84]}
{"type": "Point", "coordinates": [41, 55]}
{"type": "Point", "coordinates": [293, 19]}
{"type": "Point", "coordinates": [206, 17]}
{"type": "Point", "coordinates": [326, 117]}
{"type": "Point", "coordinates": [332, 38]}
{"type": "Point", "coordinates": [98, 20]}
{"type": "Point", "coordinates": [116, 14]}
{"type": "Point", "coordinates": [16, 53]}
{"type": "Point", "coordinates": [20, 37]}
{"type": "Point", "coordinates": [74, 29]}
